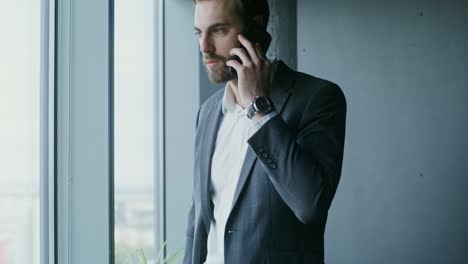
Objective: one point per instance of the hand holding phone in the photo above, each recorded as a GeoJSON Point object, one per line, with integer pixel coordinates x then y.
{"type": "Point", "coordinates": [253, 76]}
{"type": "Point", "coordinates": [255, 34]}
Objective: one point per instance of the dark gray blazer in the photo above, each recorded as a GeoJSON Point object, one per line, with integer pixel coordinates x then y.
{"type": "Point", "coordinates": [288, 180]}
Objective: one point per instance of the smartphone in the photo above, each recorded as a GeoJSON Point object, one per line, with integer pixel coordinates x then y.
{"type": "Point", "coordinates": [254, 34]}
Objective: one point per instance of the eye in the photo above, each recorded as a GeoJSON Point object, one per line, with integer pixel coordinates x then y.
{"type": "Point", "coordinates": [197, 33]}
{"type": "Point", "coordinates": [219, 30]}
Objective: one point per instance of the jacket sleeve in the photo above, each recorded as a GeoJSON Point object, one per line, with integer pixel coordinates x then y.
{"type": "Point", "coordinates": [304, 165]}
{"type": "Point", "coordinates": [189, 237]}
{"type": "Point", "coordinates": [190, 219]}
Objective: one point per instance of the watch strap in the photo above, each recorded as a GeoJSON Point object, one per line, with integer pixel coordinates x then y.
{"type": "Point", "coordinates": [250, 111]}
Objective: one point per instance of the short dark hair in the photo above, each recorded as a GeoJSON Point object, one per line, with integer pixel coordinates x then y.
{"type": "Point", "coordinates": [248, 9]}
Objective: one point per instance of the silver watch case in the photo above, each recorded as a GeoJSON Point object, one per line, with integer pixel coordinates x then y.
{"type": "Point", "coordinates": [259, 105]}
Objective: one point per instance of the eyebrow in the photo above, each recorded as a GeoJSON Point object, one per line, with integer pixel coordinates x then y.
{"type": "Point", "coordinates": [214, 26]}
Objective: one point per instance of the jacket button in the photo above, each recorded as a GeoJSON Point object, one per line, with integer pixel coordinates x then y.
{"type": "Point", "coordinates": [269, 161]}
{"type": "Point", "coordinates": [273, 166]}
{"type": "Point", "coordinates": [231, 231]}
{"type": "Point", "coordinates": [264, 155]}
{"type": "Point", "coordinates": [260, 150]}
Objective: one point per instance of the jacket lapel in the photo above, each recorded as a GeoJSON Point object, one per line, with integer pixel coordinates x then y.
{"type": "Point", "coordinates": [213, 121]}
{"type": "Point", "coordinates": [282, 82]}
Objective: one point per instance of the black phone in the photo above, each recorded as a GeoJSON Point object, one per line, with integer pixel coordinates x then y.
{"type": "Point", "coordinates": [255, 34]}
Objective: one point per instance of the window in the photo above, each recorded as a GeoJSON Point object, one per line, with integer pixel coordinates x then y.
{"type": "Point", "coordinates": [20, 136]}
{"type": "Point", "coordinates": [134, 130]}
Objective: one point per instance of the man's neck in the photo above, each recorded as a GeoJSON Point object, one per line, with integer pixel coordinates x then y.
{"type": "Point", "coordinates": [232, 84]}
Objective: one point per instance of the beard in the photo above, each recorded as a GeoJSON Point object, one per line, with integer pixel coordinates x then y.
{"type": "Point", "coordinates": [219, 73]}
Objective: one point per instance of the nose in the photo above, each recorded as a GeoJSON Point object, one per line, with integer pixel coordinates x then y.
{"type": "Point", "coordinates": [206, 44]}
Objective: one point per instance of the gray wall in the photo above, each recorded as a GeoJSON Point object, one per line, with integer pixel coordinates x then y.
{"type": "Point", "coordinates": [283, 30]}
{"type": "Point", "coordinates": [403, 68]}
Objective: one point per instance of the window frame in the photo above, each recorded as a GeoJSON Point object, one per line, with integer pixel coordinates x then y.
{"type": "Point", "coordinates": [83, 116]}
{"type": "Point", "coordinates": [47, 138]}
{"type": "Point", "coordinates": [83, 128]}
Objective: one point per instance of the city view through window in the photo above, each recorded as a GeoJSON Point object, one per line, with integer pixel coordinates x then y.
{"type": "Point", "coordinates": [20, 135]}
{"type": "Point", "coordinates": [134, 121]}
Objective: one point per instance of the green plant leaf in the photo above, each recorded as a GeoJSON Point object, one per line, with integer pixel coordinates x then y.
{"type": "Point", "coordinates": [174, 257]}
{"type": "Point", "coordinates": [139, 256]}
{"type": "Point", "coordinates": [158, 256]}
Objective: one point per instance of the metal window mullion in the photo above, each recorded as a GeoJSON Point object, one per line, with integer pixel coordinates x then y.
{"type": "Point", "coordinates": [63, 129]}
{"type": "Point", "coordinates": [47, 212]}
{"type": "Point", "coordinates": [51, 125]}
{"type": "Point", "coordinates": [83, 132]}
{"type": "Point", "coordinates": [111, 133]}
{"type": "Point", "coordinates": [160, 161]}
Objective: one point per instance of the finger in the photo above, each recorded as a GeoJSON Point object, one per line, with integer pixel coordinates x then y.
{"type": "Point", "coordinates": [234, 64]}
{"type": "Point", "coordinates": [249, 46]}
{"type": "Point", "coordinates": [260, 53]}
{"type": "Point", "coordinates": [242, 54]}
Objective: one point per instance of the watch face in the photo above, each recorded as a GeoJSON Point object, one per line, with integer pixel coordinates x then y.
{"type": "Point", "coordinates": [262, 104]}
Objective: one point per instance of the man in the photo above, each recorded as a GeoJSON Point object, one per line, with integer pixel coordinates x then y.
{"type": "Point", "coordinates": [268, 148]}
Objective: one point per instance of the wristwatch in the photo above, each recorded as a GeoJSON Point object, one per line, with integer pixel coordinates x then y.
{"type": "Point", "coordinates": [259, 105]}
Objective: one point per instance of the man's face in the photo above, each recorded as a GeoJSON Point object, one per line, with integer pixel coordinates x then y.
{"type": "Point", "coordinates": [217, 27]}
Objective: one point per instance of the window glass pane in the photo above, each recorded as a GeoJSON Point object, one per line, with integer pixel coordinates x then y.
{"type": "Point", "coordinates": [19, 131]}
{"type": "Point", "coordinates": [134, 130]}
